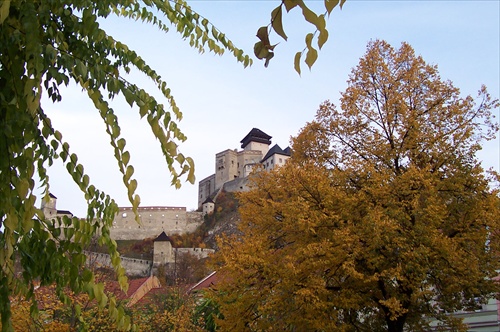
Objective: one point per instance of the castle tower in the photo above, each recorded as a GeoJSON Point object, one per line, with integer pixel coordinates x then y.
{"type": "Point", "coordinates": [208, 206]}
{"type": "Point", "coordinates": [162, 250]}
{"type": "Point", "coordinates": [48, 206]}
{"type": "Point", "coordinates": [256, 139]}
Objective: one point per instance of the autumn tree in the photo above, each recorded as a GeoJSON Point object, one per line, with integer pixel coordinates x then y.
{"type": "Point", "coordinates": [382, 220]}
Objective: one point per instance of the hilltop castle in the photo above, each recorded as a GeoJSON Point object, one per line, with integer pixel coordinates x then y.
{"type": "Point", "coordinates": [232, 167]}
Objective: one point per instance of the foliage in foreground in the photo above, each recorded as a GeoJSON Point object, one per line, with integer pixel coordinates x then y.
{"type": "Point", "coordinates": [167, 311]}
{"type": "Point", "coordinates": [43, 46]}
{"type": "Point", "coordinates": [382, 220]}
{"type": "Point", "coordinates": [48, 44]}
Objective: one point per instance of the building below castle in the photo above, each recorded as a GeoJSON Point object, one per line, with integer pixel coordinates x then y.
{"type": "Point", "coordinates": [232, 167]}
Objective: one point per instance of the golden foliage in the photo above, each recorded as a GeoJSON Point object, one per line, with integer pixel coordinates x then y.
{"type": "Point", "coordinates": [382, 219]}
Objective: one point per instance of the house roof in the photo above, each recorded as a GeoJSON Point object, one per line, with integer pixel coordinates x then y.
{"type": "Point", "coordinates": [256, 135]}
{"type": "Point", "coordinates": [133, 285]}
{"type": "Point", "coordinates": [205, 283]}
{"type": "Point", "coordinates": [277, 150]}
{"type": "Point", "coordinates": [162, 237]}
{"type": "Point", "coordinates": [52, 196]}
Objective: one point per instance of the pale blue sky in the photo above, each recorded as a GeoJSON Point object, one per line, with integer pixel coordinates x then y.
{"type": "Point", "coordinates": [217, 95]}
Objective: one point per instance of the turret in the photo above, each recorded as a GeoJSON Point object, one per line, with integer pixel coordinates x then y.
{"type": "Point", "coordinates": [162, 250]}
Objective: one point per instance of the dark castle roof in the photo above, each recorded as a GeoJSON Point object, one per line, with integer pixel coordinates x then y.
{"type": "Point", "coordinates": [277, 150]}
{"type": "Point", "coordinates": [256, 135]}
{"type": "Point", "coordinates": [65, 212]}
{"type": "Point", "coordinates": [208, 200]}
{"type": "Point", "coordinates": [162, 237]}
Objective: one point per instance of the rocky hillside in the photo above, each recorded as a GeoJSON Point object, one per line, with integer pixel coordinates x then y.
{"type": "Point", "coordinates": [223, 220]}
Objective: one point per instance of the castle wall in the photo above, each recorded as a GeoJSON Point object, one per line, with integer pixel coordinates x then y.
{"type": "Point", "coordinates": [276, 160]}
{"type": "Point", "coordinates": [246, 160]}
{"type": "Point", "coordinates": [135, 267]}
{"type": "Point", "coordinates": [196, 252]}
{"type": "Point", "coordinates": [226, 167]}
{"type": "Point", "coordinates": [205, 188]}
{"type": "Point", "coordinates": [237, 185]}
{"type": "Point", "coordinates": [262, 147]}
{"type": "Point", "coordinates": [154, 220]}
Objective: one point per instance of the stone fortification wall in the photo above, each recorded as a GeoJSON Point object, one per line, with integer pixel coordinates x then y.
{"type": "Point", "coordinates": [193, 220]}
{"type": "Point", "coordinates": [205, 188]}
{"type": "Point", "coordinates": [196, 252]}
{"type": "Point", "coordinates": [237, 185]}
{"type": "Point", "coordinates": [134, 267]}
{"type": "Point", "coordinates": [154, 220]}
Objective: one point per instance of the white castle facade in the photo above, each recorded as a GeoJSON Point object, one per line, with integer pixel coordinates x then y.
{"type": "Point", "coordinates": [232, 167]}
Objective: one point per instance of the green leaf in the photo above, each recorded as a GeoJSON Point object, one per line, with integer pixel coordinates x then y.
{"type": "Point", "coordinates": [125, 158]}
{"type": "Point", "coordinates": [330, 5]}
{"type": "Point", "coordinates": [309, 38]}
{"type": "Point", "coordinates": [171, 148]}
{"type": "Point", "coordinates": [322, 38]}
{"type": "Point", "coordinates": [290, 4]}
{"type": "Point", "coordinates": [121, 144]}
{"type": "Point", "coordinates": [180, 158]}
{"type": "Point", "coordinates": [129, 172]}
{"type": "Point", "coordinates": [311, 57]}
{"type": "Point", "coordinates": [129, 96]}
{"type": "Point", "coordinates": [296, 62]}
{"type": "Point", "coordinates": [263, 35]}
{"type": "Point", "coordinates": [132, 186]}
{"type": "Point", "coordinates": [277, 23]}
{"type": "Point", "coordinates": [308, 14]}
{"type": "Point", "coordinates": [4, 10]}
{"type": "Point", "coordinates": [260, 50]}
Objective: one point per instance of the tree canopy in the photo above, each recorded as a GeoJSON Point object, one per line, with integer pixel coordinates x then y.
{"type": "Point", "coordinates": [44, 45]}
{"type": "Point", "coordinates": [382, 220]}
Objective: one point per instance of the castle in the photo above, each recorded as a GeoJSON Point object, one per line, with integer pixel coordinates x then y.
{"type": "Point", "coordinates": [232, 167]}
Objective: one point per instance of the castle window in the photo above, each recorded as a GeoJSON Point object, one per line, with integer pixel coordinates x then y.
{"type": "Point", "coordinates": [281, 160]}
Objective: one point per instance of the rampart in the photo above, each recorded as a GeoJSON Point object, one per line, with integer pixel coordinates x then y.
{"type": "Point", "coordinates": [196, 252]}
{"type": "Point", "coordinates": [153, 221]}
{"type": "Point", "coordinates": [134, 267]}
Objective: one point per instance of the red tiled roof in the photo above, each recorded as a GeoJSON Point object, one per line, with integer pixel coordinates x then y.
{"type": "Point", "coordinates": [205, 283]}
{"type": "Point", "coordinates": [133, 285]}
